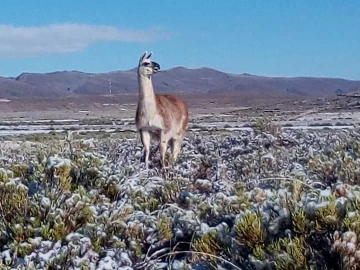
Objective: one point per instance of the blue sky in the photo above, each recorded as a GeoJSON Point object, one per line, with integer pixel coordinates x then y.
{"type": "Point", "coordinates": [273, 38]}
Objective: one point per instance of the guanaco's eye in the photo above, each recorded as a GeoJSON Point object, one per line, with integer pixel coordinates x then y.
{"type": "Point", "coordinates": [146, 64]}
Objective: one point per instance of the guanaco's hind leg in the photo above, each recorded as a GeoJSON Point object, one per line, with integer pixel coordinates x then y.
{"type": "Point", "coordinates": [164, 139]}
{"type": "Point", "coordinates": [176, 147]}
{"type": "Point", "coordinates": [145, 139]}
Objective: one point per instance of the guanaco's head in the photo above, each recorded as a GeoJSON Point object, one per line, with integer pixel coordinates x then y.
{"type": "Point", "coordinates": [146, 66]}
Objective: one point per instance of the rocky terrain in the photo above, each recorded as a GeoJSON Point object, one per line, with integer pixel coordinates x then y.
{"type": "Point", "coordinates": [179, 79]}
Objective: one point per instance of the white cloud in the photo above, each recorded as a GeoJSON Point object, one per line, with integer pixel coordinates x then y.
{"type": "Point", "coordinates": [65, 38]}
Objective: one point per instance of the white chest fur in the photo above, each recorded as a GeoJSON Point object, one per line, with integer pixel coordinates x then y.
{"type": "Point", "coordinates": [149, 119]}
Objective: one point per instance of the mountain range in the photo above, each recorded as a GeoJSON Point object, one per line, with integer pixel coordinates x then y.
{"type": "Point", "coordinates": [178, 79]}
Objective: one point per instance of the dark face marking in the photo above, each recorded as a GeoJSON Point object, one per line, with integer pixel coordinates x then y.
{"type": "Point", "coordinates": [155, 66]}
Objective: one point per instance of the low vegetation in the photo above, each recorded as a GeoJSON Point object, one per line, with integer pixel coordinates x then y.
{"type": "Point", "coordinates": [262, 199]}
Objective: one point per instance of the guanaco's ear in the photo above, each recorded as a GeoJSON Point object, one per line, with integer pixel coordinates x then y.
{"type": "Point", "coordinates": [149, 55]}
{"type": "Point", "coordinates": [143, 56]}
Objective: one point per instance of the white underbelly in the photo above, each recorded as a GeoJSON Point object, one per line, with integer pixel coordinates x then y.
{"type": "Point", "coordinates": [154, 123]}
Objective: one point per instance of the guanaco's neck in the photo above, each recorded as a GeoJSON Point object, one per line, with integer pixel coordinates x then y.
{"type": "Point", "coordinates": [146, 87]}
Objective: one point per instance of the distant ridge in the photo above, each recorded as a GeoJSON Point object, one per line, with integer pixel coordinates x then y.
{"type": "Point", "coordinates": [177, 79]}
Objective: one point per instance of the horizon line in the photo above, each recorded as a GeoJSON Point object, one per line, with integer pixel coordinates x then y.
{"type": "Point", "coordinates": [182, 67]}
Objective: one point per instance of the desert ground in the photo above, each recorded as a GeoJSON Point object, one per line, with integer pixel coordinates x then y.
{"type": "Point", "coordinates": [223, 109]}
